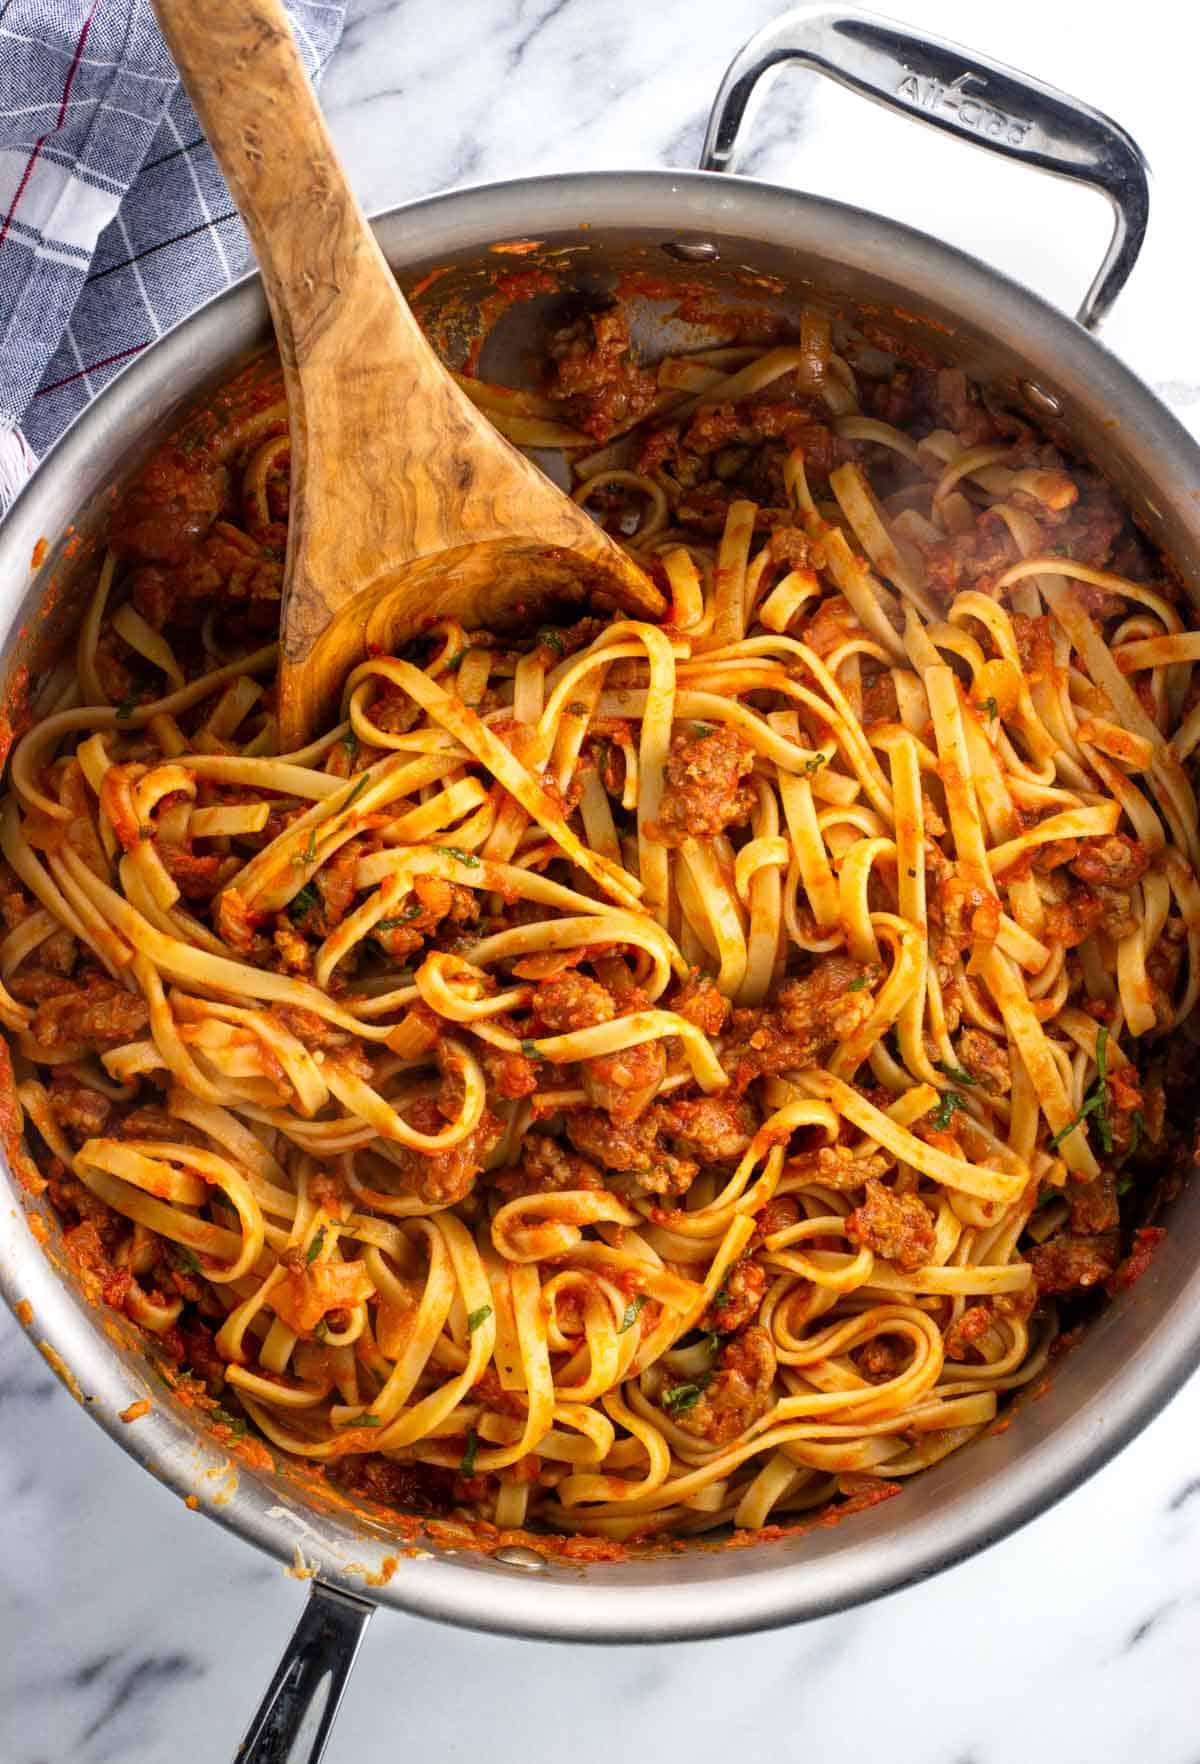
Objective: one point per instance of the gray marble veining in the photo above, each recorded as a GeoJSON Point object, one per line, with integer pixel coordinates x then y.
{"type": "Point", "coordinates": [135, 1632]}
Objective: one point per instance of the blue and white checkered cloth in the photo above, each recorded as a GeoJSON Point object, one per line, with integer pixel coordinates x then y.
{"type": "Point", "coordinates": [114, 220]}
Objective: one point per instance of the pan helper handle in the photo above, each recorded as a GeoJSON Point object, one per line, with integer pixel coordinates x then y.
{"type": "Point", "coordinates": [293, 1721]}
{"type": "Point", "coordinates": [965, 94]}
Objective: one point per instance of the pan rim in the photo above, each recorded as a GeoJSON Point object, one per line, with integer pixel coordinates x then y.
{"type": "Point", "coordinates": [883, 1556]}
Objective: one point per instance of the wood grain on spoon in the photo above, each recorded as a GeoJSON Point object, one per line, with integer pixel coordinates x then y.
{"type": "Point", "coordinates": [406, 505]}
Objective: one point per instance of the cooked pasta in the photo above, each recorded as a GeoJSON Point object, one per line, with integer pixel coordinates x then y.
{"type": "Point", "coordinates": [624, 1080]}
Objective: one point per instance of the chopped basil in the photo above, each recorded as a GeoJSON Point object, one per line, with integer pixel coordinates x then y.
{"type": "Point", "coordinates": [1124, 1185]}
{"type": "Point", "coordinates": [1091, 1104]}
{"type": "Point", "coordinates": [1102, 1117]}
{"type": "Point", "coordinates": [366, 1419]}
{"type": "Point", "coordinates": [187, 444]}
{"type": "Point", "coordinates": [189, 1258]}
{"type": "Point", "coordinates": [705, 728]}
{"type": "Point", "coordinates": [958, 1075]}
{"type": "Point", "coordinates": [234, 1423]}
{"type": "Point", "coordinates": [125, 710]}
{"type": "Point", "coordinates": [532, 1051]}
{"type": "Point", "coordinates": [858, 984]}
{"type": "Point", "coordinates": [350, 743]}
{"type": "Point", "coordinates": [463, 857]}
{"type": "Point", "coordinates": [359, 787]}
{"type": "Point", "coordinates": [950, 1101]}
{"type": "Point", "coordinates": [990, 709]}
{"type": "Point", "coordinates": [468, 1458]}
{"type": "Point", "coordinates": [1095, 1103]}
{"type": "Point", "coordinates": [456, 661]}
{"type": "Point", "coordinates": [633, 1311]}
{"type": "Point", "coordinates": [303, 901]}
{"type": "Point", "coordinates": [1139, 1130]}
{"type": "Point", "coordinates": [546, 637]}
{"type": "Point", "coordinates": [680, 1398]}
{"type": "Point", "coordinates": [577, 708]}
{"type": "Point", "coordinates": [412, 911]}
{"type": "Point", "coordinates": [321, 1329]}
{"type": "Point", "coordinates": [314, 1248]}
{"type": "Point", "coordinates": [815, 763]}
{"type": "Point", "coordinates": [720, 1299]}
{"type": "Point", "coordinates": [475, 1318]}
{"type": "Point", "coordinates": [309, 854]}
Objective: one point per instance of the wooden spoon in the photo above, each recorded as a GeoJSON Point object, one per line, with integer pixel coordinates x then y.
{"type": "Point", "coordinates": [406, 505]}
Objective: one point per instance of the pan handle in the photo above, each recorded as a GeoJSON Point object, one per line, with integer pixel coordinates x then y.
{"type": "Point", "coordinates": [965, 94]}
{"type": "Point", "coordinates": [293, 1722]}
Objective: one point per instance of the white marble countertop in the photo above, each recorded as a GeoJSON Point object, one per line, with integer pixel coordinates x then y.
{"type": "Point", "coordinates": [136, 1633]}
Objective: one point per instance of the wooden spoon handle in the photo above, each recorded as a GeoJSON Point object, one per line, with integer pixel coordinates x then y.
{"type": "Point", "coordinates": [406, 505]}
{"type": "Point", "coordinates": [243, 72]}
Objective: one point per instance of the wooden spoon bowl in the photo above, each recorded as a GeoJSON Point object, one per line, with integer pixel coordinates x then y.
{"type": "Point", "coordinates": [406, 505]}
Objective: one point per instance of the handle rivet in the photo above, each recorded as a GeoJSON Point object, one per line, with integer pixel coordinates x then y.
{"type": "Point", "coordinates": [693, 250]}
{"type": "Point", "coordinates": [517, 1556]}
{"type": "Point", "coordinates": [1040, 400]}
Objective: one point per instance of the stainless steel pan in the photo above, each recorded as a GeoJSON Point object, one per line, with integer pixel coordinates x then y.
{"type": "Point", "coordinates": [768, 246]}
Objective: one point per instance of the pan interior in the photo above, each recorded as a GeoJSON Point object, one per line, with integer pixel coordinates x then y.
{"type": "Point", "coordinates": [704, 248]}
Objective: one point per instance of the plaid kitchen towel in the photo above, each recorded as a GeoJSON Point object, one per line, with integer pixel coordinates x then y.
{"type": "Point", "coordinates": [114, 220]}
